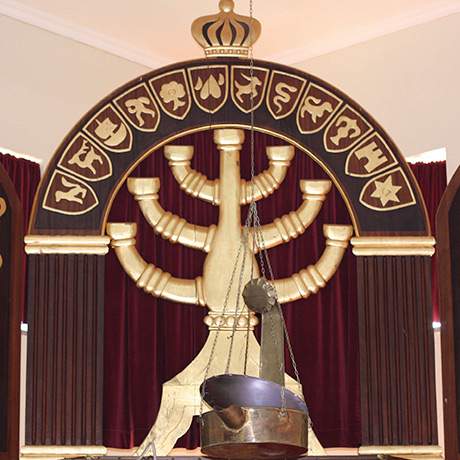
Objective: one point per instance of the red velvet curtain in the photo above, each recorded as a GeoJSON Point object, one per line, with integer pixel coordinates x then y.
{"type": "Point", "coordinates": [148, 341]}
{"type": "Point", "coordinates": [25, 176]}
{"type": "Point", "coordinates": [432, 178]}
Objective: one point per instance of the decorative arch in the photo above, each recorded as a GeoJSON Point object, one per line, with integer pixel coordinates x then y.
{"type": "Point", "coordinates": [67, 240]}
{"type": "Point", "coordinates": [111, 139]}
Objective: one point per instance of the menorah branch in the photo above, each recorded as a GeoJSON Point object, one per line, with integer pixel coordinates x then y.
{"type": "Point", "coordinates": [199, 186]}
{"type": "Point", "coordinates": [295, 223]}
{"type": "Point", "coordinates": [265, 183]}
{"type": "Point", "coordinates": [191, 182]}
{"type": "Point", "coordinates": [170, 226]}
{"type": "Point", "coordinates": [315, 277]}
{"type": "Point", "coordinates": [151, 279]}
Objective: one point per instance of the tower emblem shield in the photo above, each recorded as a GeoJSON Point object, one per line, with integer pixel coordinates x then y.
{"type": "Point", "coordinates": [370, 157]}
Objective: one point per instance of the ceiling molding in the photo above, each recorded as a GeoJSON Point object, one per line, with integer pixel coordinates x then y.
{"type": "Point", "coordinates": [392, 25]}
{"type": "Point", "coordinates": [14, 9]}
{"type": "Point", "coordinates": [54, 24]}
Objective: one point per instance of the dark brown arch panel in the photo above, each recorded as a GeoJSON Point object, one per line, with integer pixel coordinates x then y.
{"type": "Point", "coordinates": [377, 185]}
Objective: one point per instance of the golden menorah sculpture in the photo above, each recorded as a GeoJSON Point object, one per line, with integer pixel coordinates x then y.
{"type": "Point", "coordinates": [181, 398]}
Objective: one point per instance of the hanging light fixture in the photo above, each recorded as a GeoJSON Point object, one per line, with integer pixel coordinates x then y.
{"type": "Point", "coordinates": [251, 417]}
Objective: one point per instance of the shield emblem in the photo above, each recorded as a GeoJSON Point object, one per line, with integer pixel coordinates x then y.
{"type": "Point", "coordinates": [83, 158]}
{"type": "Point", "coordinates": [316, 109]}
{"type": "Point", "coordinates": [109, 130]}
{"type": "Point", "coordinates": [346, 129]}
{"type": "Point", "coordinates": [283, 94]}
{"type": "Point", "coordinates": [370, 157]}
{"type": "Point", "coordinates": [388, 191]}
{"type": "Point", "coordinates": [140, 108]}
{"type": "Point", "coordinates": [172, 92]}
{"type": "Point", "coordinates": [248, 91]}
{"type": "Point", "coordinates": [209, 86]}
{"type": "Point", "coordinates": [68, 195]}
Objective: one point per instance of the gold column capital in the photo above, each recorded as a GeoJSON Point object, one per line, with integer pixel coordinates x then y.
{"type": "Point", "coordinates": [426, 452]}
{"type": "Point", "coordinates": [67, 244]}
{"type": "Point", "coordinates": [40, 452]}
{"type": "Point", "coordinates": [178, 154]}
{"type": "Point", "coordinates": [393, 245]}
{"type": "Point", "coordinates": [229, 137]}
{"type": "Point", "coordinates": [219, 321]}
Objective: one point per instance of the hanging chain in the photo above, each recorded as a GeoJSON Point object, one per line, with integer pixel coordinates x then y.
{"type": "Point", "coordinates": [253, 216]}
{"type": "Point", "coordinates": [250, 217]}
{"type": "Point", "coordinates": [251, 240]}
{"type": "Point", "coordinates": [227, 294]}
{"type": "Point", "coordinates": [219, 327]}
{"type": "Point", "coordinates": [244, 242]}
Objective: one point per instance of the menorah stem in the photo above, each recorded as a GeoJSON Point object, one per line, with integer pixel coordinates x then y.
{"type": "Point", "coordinates": [229, 143]}
{"type": "Point", "coordinates": [222, 277]}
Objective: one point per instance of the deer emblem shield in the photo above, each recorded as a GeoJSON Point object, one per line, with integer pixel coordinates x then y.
{"type": "Point", "coordinates": [248, 89]}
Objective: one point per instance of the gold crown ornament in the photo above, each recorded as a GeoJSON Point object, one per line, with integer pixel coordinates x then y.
{"type": "Point", "coordinates": [226, 33]}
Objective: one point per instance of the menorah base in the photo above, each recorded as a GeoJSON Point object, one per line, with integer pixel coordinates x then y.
{"type": "Point", "coordinates": [181, 400]}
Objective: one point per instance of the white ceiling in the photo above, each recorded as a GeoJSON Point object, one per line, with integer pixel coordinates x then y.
{"type": "Point", "coordinates": [156, 32]}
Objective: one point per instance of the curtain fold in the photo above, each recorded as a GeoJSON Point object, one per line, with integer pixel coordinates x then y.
{"type": "Point", "coordinates": [25, 176]}
{"type": "Point", "coordinates": [432, 178]}
{"type": "Point", "coordinates": [148, 341]}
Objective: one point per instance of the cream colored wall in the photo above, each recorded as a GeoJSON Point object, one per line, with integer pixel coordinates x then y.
{"type": "Point", "coordinates": [409, 81]}
{"type": "Point", "coordinates": [47, 83]}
